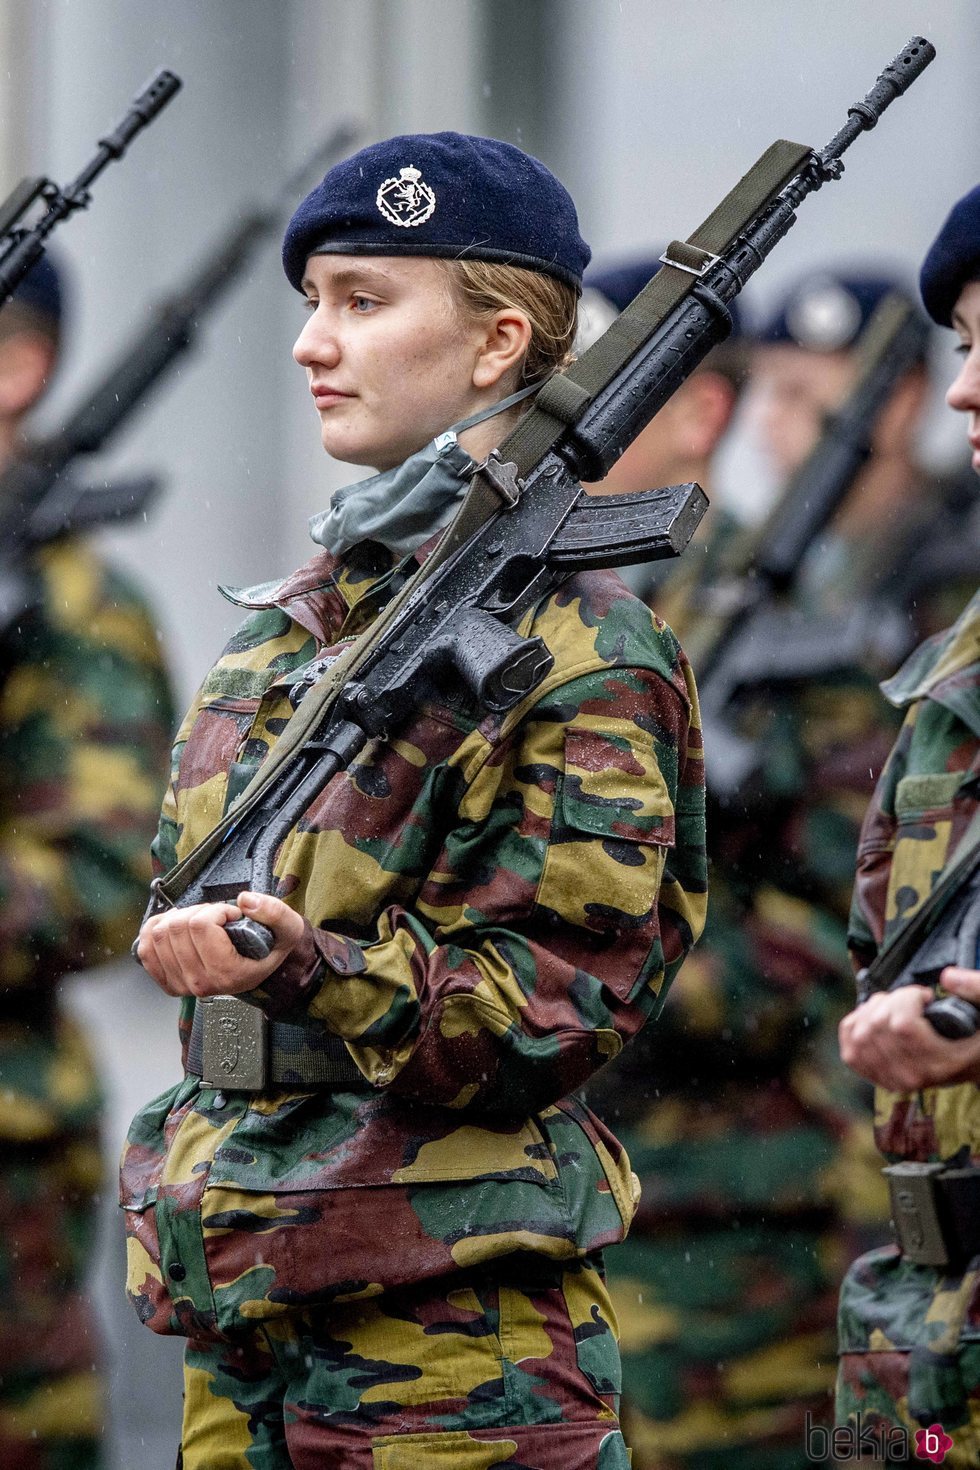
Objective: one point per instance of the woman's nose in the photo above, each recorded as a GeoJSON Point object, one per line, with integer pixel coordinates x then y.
{"type": "Point", "coordinates": [964, 391]}
{"type": "Point", "coordinates": [316, 344]}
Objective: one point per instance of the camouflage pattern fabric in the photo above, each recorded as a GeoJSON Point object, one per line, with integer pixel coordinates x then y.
{"type": "Point", "coordinates": [513, 1367]}
{"type": "Point", "coordinates": [752, 1142]}
{"type": "Point", "coordinates": [84, 725]}
{"type": "Point", "coordinates": [910, 1335]}
{"type": "Point", "coordinates": [497, 903]}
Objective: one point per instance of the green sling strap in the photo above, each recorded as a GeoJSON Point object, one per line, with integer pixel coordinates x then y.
{"type": "Point", "coordinates": [560, 403]}
{"type": "Point", "coordinates": [564, 397]}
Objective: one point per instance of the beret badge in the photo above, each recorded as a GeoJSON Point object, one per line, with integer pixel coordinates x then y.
{"type": "Point", "coordinates": [406, 201]}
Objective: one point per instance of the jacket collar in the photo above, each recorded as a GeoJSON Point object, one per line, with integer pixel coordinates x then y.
{"type": "Point", "coordinates": [322, 593]}
{"type": "Point", "coordinates": [946, 669]}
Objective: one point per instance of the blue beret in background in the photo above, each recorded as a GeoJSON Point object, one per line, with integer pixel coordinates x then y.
{"type": "Point", "coordinates": [41, 289]}
{"type": "Point", "coordinates": [953, 259]}
{"type": "Point", "coordinates": [440, 194]}
{"type": "Point", "coordinates": [619, 284]}
{"type": "Point", "coordinates": [827, 312]}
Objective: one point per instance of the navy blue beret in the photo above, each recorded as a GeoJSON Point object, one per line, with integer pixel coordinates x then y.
{"type": "Point", "coordinates": [953, 259]}
{"type": "Point", "coordinates": [620, 283]}
{"type": "Point", "coordinates": [440, 194]}
{"type": "Point", "coordinates": [827, 312]}
{"type": "Point", "coordinates": [41, 289]}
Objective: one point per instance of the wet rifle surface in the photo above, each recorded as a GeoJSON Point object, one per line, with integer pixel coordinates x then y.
{"type": "Point", "coordinates": [455, 619]}
{"type": "Point", "coordinates": [40, 499]}
{"type": "Point", "coordinates": [763, 639]}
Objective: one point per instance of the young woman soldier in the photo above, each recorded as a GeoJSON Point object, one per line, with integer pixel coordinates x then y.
{"type": "Point", "coordinates": [401, 1267]}
{"type": "Point", "coordinates": [910, 1313]}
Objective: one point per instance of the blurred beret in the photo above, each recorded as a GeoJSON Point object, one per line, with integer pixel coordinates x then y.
{"type": "Point", "coordinates": [41, 289]}
{"type": "Point", "coordinates": [443, 194]}
{"type": "Point", "coordinates": [620, 283]}
{"type": "Point", "coordinates": [827, 312]}
{"type": "Point", "coordinates": [953, 259]}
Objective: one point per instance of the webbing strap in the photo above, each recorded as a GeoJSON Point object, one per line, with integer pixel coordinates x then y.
{"type": "Point", "coordinates": [560, 403]}
{"type": "Point", "coordinates": [542, 426]}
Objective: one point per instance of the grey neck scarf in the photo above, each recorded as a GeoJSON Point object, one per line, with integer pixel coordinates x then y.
{"type": "Point", "coordinates": [404, 506]}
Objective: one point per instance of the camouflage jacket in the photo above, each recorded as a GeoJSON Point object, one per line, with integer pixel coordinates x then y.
{"type": "Point", "coordinates": [923, 804]}
{"type": "Point", "coordinates": [85, 721]}
{"type": "Point", "coordinates": [497, 903]}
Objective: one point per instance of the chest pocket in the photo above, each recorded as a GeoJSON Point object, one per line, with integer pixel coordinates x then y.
{"type": "Point", "coordinates": [613, 822]}
{"type": "Point", "coordinates": [207, 764]}
{"type": "Point", "coordinates": [923, 824]}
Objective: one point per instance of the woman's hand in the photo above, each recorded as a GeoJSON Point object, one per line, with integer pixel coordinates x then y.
{"type": "Point", "coordinates": [887, 1039]}
{"type": "Point", "coordinates": [187, 952]}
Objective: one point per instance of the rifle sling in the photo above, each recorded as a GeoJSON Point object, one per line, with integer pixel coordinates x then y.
{"type": "Point", "coordinates": [544, 424]}
{"type": "Point", "coordinates": [889, 963]}
{"type": "Point", "coordinates": [565, 398]}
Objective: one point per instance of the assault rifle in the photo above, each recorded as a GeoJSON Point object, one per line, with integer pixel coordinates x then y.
{"type": "Point", "coordinates": [526, 523]}
{"type": "Point", "coordinates": [945, 931]}
{"type": "Point", "coordinates": [762, 639]}
{"type": "Point", "coordinates": [22, 246]}
{"type": "Point", "coordinates": [39, 499]}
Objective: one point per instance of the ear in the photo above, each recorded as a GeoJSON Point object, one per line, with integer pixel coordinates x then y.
{"type": "Point", "coordinates": [503, 348]}
{"type": "Point", "coordinates": [26, 362]}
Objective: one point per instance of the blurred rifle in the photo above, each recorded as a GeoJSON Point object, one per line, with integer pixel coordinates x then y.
{"type": "Point", "coordinates": [22, 246]}
{"type": "Point", "coordinates": [524, 527]}
{"type": "Point", "coordinates": [39, 499]}
{"type": "Point", "coordinates": [761, 638]}
{"type": "Point", "coordinates": [944, 930]}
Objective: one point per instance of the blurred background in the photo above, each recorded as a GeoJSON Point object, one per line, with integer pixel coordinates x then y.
{"type": "Point", "coordinates": [648, 111]}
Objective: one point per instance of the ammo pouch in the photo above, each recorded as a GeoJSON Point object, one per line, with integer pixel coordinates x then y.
{"type": "Point", "coordinates": [236, 1047]}
{"type": "Point", "coordinates": [936, 1213]}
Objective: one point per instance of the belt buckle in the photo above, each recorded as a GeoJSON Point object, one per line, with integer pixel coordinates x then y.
{"type": "Point", "coordinates": [233, 1050]}
{"type": "Point", "coordinates": [915, 1212]}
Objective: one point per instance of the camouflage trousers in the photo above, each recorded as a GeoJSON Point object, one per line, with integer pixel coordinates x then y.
{"type": "Point", "coordinates": [728, 1342]}
{"type": "Point", "coordinates": [515, 1367]}
{"type": "Point", "coordinates": [51, 1390]}
{"type": "Point", "coordinates": [910, 1353]}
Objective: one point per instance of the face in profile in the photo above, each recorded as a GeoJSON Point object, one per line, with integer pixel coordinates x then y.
{"type": "Point", "coordinates": [964, 392]}
{"type": "Point", "coordinates": [389, 356]}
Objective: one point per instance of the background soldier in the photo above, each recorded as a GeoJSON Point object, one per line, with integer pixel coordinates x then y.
{"type": "Point", "coordinates": [84, 725]}
{"type": "Point", "coordinates": [909, 1336]}
{"type": "Point", "coordinates": [753, 1149]}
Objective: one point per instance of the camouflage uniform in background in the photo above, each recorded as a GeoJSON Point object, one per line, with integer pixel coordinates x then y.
{"type": "Point", "coordinates": [910, 1334]}
{"type": "Point", "coordinates": [84, 725]}
{"type": "Point", "coordinates": [497, 903]}
{"type": "Point", "coordinates": [752, 1141]}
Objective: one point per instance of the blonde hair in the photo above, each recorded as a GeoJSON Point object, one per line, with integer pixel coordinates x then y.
{"type": "Point", "coordinates": [482, 287]}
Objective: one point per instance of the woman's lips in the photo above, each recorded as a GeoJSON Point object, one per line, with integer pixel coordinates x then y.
{"type": "Point", "coordinates": [324, 396]}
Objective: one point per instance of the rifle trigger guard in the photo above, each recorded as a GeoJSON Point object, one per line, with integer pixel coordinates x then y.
{"type": "Point", "coordinates": [502, 477]}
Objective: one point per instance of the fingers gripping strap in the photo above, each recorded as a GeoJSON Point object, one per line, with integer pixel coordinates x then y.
{"type": "Point", "coordinates": [543, 425]}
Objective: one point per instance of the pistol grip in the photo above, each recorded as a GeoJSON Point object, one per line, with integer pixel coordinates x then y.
{"type": "Point", "coordinates": [254, 941]}
{"type": "Point", "coordinates": [953, 1017]}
